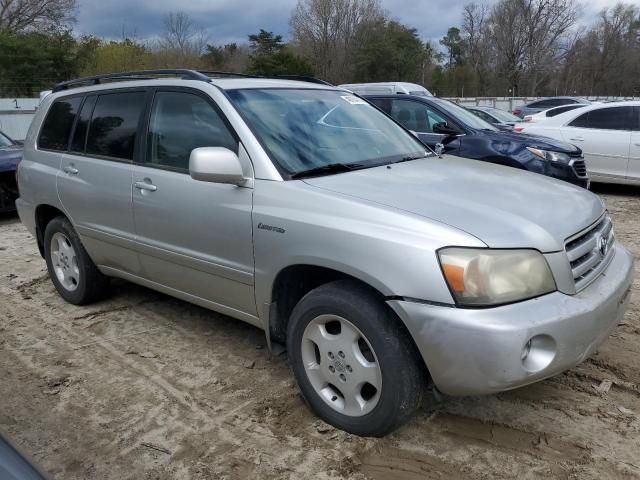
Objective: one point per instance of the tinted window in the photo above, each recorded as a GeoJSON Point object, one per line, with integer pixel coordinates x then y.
{"type": "Point", "coordinates": [612, 118]}
{"type": "Point", "coordinates": [80, 133]}
{"type": "Point", "coordinates": [484, 115]}
{"type": "Point", "coordinates": [415, 116]}
{"type": "Point", "coordinates": [558, 110]}
{"type": "Point", "coordinates": [181, 122]}
{"type": "Point", "coordinates": [56, 127]}
{"type": "Point", "coordinates": [114, 124]}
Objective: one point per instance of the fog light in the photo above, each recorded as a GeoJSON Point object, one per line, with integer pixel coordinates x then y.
{"type": "Point", "coordinates": [538, 353]}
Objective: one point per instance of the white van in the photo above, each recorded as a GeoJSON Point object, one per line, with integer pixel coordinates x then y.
{"type": "Point", "coordinates": [386, 88]}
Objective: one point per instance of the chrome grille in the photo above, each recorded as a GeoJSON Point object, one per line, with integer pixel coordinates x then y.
{"type": "Point", "coordinates": [580, 167]}
{"type": "Point", "coordinates": [590, 251]}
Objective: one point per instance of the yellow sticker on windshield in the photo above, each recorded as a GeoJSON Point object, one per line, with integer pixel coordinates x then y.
{"type": "Point", "coordinates": [353, 100]}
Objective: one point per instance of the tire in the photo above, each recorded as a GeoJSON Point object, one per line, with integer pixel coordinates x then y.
{"type": "Point", "coordinates": [72, 272]}
{"type": "Point", "coordinates": [354, 361]}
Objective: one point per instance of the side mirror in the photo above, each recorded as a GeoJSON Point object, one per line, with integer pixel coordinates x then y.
{"type": "Point", "coordinates": [216, 165]}
{"type": "Point", "coordinates": [444, 129]}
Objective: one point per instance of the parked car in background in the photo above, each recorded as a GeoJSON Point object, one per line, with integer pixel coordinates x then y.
{"type": "Point", "coordinates": [461, 133]}
{"type": "Point", "coordinates": [552, 112]}
{"type": "Point", "coordinates": [10, 156]}
{"type": "Point", "coordinates": [496, 117]}
{"type": "Point", "coordinates": [383, 88]}
{"type": "Point", "coordinates": [547, 103]}
{"type": "Point", "coordinates": [607, 133]}
{"type": "Point", "coordinates": [305, 211]}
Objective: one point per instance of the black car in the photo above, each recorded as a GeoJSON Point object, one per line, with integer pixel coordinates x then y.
{"type": "Point", "coordinates": [10, 156]}
{"type": "Point", "coordinates": [460, 132]}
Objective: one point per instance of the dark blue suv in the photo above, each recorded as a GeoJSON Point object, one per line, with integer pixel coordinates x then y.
{"type": "Point", "coordinates": [436, 121]}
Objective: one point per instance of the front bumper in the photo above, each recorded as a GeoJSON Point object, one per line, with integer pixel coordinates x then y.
{"type": "Point", "coordinates": [479, 351]}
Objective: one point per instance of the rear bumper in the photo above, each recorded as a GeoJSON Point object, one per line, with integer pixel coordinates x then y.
{"type": "Point", "coordinates": [479, 351]}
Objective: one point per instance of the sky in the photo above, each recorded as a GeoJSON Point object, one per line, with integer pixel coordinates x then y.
{"type": "Point", "coordinates": [232, 20]}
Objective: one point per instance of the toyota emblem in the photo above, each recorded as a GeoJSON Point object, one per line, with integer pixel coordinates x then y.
{"type": "Point", "coordinates": [603, 245]}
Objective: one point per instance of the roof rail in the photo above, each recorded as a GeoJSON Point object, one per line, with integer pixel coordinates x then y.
{"type": "Point", "coordinates": [185, 74]}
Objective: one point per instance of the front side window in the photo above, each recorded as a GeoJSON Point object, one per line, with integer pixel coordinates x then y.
{"type": "Point", "coordinates": [114, 124]}
{"type": "Point", "coordinates": [181, 122]}
{"type": "Point", "coordinates": [415, 116]}
{"type": "Point", "coordinates": [5, 141]}
{"type": "Point", "coordinates": [58, 123]}
{"type": "Point", "coordinates": [558, 110]}
{"type": "Point", "coordinates": [484, 116]}
{"type": "Point", "coordinates": [463, 115]}
{"type": "Point", "coordinates": [305, 129]}
{"type": "Point", "coordinates": [611, 118]}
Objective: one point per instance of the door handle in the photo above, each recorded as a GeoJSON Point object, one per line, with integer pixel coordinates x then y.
{"type": "Point", "coordinates": [70, 169]}
{"type": "Point", "coordinates": [577, 139]}
{"type": "Point", "coordinates": [150, 187]}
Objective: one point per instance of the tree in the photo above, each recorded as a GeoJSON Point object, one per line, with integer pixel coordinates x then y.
{"type": "Point", "coordinates": [182, 42]}
{"type": "Point", "coordinates": [329, 32]}
{"type": "Point", "coordinates": [271, 56]}
{"type": "Point", "coordinates": [229, 57]}
{"type": "Point", "coordinates": [19, 15]}
{"type": "Point", "coordinates": [452, 42]}
{"type": "Point", "coordinates": [391, 52]}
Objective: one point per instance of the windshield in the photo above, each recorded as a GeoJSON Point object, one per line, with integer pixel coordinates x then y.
{"type": "Point", "coordinates": [504, 116]}
{"type": "Point", "coordinates": [4, 141]}
{"type": "Point", "coordinates": [464, 115]}
{"type": "Point", "coordinates": [305, 129]}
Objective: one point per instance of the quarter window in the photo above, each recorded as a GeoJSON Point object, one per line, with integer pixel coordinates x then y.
{"type": "Point", "coordinates": [57, 125]}
{"type": "Point", "coordinates": [114, 125]}
{"type": "Point", "coordinates": [611, 118]}
{"type": "Point", "coordinates": [181, 122]}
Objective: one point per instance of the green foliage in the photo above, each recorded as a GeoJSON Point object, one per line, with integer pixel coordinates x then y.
{"type": "Point", "coordinates": [452, 42]}
{"type": "Point", "coordinates": [271, 56]}
{"type": "Point", "coordinates": [33, 61]}
{"type": "Point", "coordinates": [118, 56]}
{"type": "Point", "coordinates": [391, 52]}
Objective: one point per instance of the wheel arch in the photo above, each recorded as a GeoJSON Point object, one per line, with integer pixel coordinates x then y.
{"type": "Point", "coordinates": [44, 213]}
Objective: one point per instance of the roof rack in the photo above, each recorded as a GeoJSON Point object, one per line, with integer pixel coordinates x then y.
{"type": "Point", "coordinates": [185, 74]}
{"type": "Point", "coordinates": [134, 75]}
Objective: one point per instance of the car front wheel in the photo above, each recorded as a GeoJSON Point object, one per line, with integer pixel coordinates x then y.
{"type": "Point", "coordinates": [355, 363]}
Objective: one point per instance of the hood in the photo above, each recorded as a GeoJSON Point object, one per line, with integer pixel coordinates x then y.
{"type": "Point", "coordinates": [9, 158]}
{"type": "Point", "coordinates": [536, 141]}
{"type": "Point", "coordinates": [502, 206]}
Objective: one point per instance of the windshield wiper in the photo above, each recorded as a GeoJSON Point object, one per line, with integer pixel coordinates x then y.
{"type": "Point", "coordinates": [408, 158]}
{"type": "Point", "coordinates": [327, 170]}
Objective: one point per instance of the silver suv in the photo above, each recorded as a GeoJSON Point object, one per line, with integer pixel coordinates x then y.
{"type": "Point", "coordinates": [307, 212]}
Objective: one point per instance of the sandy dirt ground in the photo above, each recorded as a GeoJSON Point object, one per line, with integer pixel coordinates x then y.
{"type": "Point", "coordinates": [143, 386]}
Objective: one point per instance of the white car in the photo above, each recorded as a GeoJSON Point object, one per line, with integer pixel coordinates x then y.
{"type": "Point", "coordinates": [608, 134]}
{"type": "Point", "coordinates": [385, 88]}
{"type": "Point", "coordinates": [550, 113]}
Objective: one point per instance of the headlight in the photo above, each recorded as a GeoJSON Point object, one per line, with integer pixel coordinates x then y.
{"type": "Point", "coordinates": [551, 156]}
{"type": "Point", "coordinates": [483, 277]}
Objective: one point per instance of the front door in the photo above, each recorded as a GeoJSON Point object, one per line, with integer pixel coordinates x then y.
{"type": "Point", "coordinates": [193, 237]}
{"type": "Point", "coordinates": [604, 135]}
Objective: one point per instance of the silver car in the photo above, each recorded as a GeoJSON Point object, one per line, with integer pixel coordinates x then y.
{"type": "Point", "coordinates": [302, 209]}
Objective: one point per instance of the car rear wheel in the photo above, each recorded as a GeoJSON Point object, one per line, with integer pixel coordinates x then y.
{"type": "Point", "coordinates": [355, 363]}
{"type": "Point", "coordinates": [72, 272]}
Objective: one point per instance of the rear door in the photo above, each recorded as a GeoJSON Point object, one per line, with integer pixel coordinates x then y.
{"type": "Point", "coordinates": [633, 171]}
{"type": "Point", "coordinates": [193, 237]}
{"type": "Point", "coordinates": [94, 182]}
{"type": "Point", "coordinates": [604, 135]}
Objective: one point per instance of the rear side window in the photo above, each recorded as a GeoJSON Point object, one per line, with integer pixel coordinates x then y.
{"type": "Point", "coordinates": [181, 122]}
{"type": "Point", "coordinates": [114, 124]}
{"type": "Point", "coordinates": [612, 118]}
{"type": "Point", "coordinates": [80, 134]}
{"type": "Point", "coordinates": [57, 125]}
